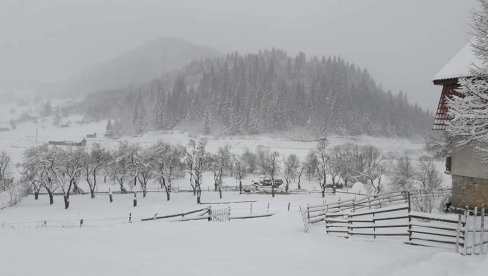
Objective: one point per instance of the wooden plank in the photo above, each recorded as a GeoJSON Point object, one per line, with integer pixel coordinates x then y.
{"type": "Point", "coordinates": [337, 231]}
{"type": "Point", "coordinates": [390, 218]}
{"type": "Point", "coordinates": [435, 234]}
{"type": "Point", "coordinates": [335, 221]}
{"type": "Point", "coordinates": [380, 211]}
{"type": "Point", "coordinates": [379, 234]}
{"type": "Point", "coordinates": [416, 216]}
{"type": "Point", "coordinates": [435, 241]}
{"type": "Point", "coordinates": [379, 226]}
{"type": "Point", "coordinates": [251, 217]}
{"type": "Point", "coordinates": [435, 227]}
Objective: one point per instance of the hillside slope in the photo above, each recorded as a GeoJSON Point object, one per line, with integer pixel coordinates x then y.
{"type": "Point", "coordinates": [137, 66]}
{"type": "Point", "coordinates": [261, 93]}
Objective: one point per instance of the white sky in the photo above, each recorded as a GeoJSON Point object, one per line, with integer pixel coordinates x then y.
{"type": "Point", "coordinates": [402, 43]}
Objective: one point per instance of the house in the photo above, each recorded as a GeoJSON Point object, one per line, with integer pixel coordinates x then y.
{"type": "Point", "coordinates": [469, 174]}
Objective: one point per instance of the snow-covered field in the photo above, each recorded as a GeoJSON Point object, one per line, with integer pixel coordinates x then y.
{"type": "Point", "coordinates": [39, 239]}
{"type": "Point", "coordinates": [107, 244]}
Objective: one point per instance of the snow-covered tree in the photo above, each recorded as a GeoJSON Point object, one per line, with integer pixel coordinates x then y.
{"type": "Point", "coordinates": [373, 168]}
{"type": "Point", "coordinates": [403, 173]}
{"type": "Point", "coordinates": [196, 161]}
{"type": "Point", "coordinates": [239, 168]}
{"type": "Point", "coordinates": [469, 109]}
{"type": "Point", "coordinates": [93, 161]}
{"type": "Point", "coordinates": [291, 169]}
{"type": "Point", "coordinates": [219, 163]}
{"type": "Point", "coordinates": [269, 165]}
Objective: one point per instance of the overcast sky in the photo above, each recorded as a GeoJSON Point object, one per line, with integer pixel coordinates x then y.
{"type": "Point", "coordinates": [402, 43]}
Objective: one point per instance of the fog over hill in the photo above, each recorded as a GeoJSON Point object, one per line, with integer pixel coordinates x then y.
{"type": "Point", "coordinates": [136, 66]}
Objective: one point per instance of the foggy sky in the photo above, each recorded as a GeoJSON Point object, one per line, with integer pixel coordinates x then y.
{"type": "Point", "coordinates": [402, 43]}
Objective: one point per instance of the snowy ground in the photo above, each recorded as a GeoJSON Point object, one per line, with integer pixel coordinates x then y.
{"type": "Point", "coordinates": [277, 245]}
{"type": "Point", "coordinates": [108, 245]}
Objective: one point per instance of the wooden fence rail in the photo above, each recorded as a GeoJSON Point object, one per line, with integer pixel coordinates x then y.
{"type": "Point", "coordinates": [390, 215]}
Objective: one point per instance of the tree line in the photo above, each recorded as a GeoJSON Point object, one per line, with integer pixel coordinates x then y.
{"type": "Point", "coordinates": [132, 167]}
{"type": "Point", "coordinates": [261, 93]}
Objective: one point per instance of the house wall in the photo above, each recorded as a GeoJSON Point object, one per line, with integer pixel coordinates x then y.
{"type": "Point", "coordinates": [469, 191]}
{"type": "Point", "coordinates": [466, 161]}
{"type": "Point", "coordinates": [469, 177]}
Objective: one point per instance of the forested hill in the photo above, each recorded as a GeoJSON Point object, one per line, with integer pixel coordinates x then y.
{"type": "Point", "coordinates": [260, 93]}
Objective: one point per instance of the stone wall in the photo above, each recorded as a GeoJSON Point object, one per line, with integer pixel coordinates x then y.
{"type": "Point", "coordinates": [469, 191]}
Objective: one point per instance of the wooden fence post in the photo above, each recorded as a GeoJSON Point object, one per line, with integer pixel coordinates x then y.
{"type": "Point", "coordinates": [374, 228]}
{"type": "Point", "coordinates": [475, 231]}
{"type": "Point", "coordinates": [308, 213]}
{"type": "Point", "coordinates": [250, 211]}
{"type": "Point", "coordinates": [466, 232]}
{"type": "Point", "coordinates": [267, 210]}
{"type": "Point", "coordinates": [483, 229]}
{"type": "Point", "coordinates": [209, 213]}
{"type": "Point", "coordinates": [288, 206]}
{"type": "Point", "coordinates": [409, 217]}
{"type": "Point", "coordinates": [325, 222]}
{"type": "Point", "coordinates": [458, 232]}
{"type": "Point", "coordinates": [130, 217]}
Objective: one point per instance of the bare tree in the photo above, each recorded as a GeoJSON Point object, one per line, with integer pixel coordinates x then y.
{"type": "Point", "coordinates": [196, 159]}
{"type": "Point", "coordinates": [250, 160]}
{"type": "Point", "coordinates": [143, 163]}
{"type": "Point", "coordinates": [189, 163]}
{"type": "Point", "coordinates": [67, 170]}
{"type": "Point", "coordinates": [269, 164]}
{"type": "Point", "coordinates": [428, 179]}
{"type": "Point", "coordinates": [291, 169]}
{"type": "Point", "coordinates": [167, 161]}
{"type": "Point", "coordinates": [403, 173]}
{"type": "Point", "coordinates": [93, 161]}
{"type": "Point", "coordinates": [437, 145]}
{"type": "Point", "coordinates": [4, 166]}
{"type": "Point", "coordinates": [239, 168]}
{"type": "Point", "coordinates": [119, 165]}
{"type": "Point", "coordinates": [219, 163]}
{"type": "Point", "coordinates": [346, 161]}
{"type": "Point", "coordinates": [373, 168]}
{"type": "Point", "coordinates": [310, 165]}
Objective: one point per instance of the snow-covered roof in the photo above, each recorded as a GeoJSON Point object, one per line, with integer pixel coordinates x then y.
{"type": "Point", "coordinates": [460, 65]}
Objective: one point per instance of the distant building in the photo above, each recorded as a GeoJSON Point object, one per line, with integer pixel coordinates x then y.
{"type": "Point", "coordinates": [469, 174]}
{"type": "Point", "coordinates": [82, 143]}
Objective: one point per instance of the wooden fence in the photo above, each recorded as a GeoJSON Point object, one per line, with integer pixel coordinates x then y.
{"type": "Point", "coordinates": [391, 215]}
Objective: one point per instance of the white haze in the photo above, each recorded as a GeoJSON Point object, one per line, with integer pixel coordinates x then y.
{"type": "Point", "coordinates": [402, 43]}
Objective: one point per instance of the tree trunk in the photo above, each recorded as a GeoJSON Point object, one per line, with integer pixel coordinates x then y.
{"type": "Point", "coordinates": [36, 195]}
{"type": "Point", "coordinates": [167, 195]}
{"type": "Point", "coordinates": [199, 194]}
{"type": "Point", "coordinates": [110, 198]}
{"type": "Point", "coordinates": [122, 188]}
{"type": "Point", "coordinates": [323, 192]}
{"type": "Point", "coordinates": [220, 192]}
{"type": "Point", "coordinates": [66, 202]}
{"type": "Point", "coordinates": [92, 193]}
{"type": "Point", "coordinates": [144, 192]}
{"type": "Point", "coordinates": [51, 198]}
{"type": "Point", "coordinates": [240, 186]}
{"type": "Point", "coordinates": [272, 191]}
